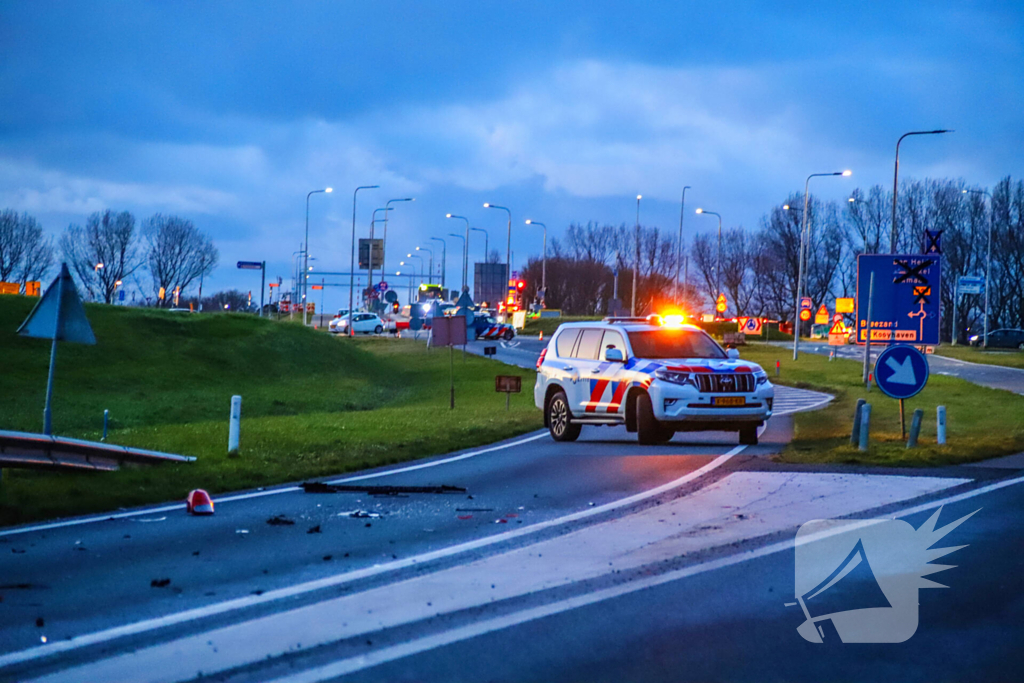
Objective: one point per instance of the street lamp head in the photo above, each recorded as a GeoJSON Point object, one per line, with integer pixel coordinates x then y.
{"type": "Point", "coordinates": [785, 207]}
{"type": "Point", "coordinates": [702, 210]}
{"type": "Point", "coordinates": [487, 205]}
{"type": "Point", "coordinates": [417, 248]}
{"type": "Point", "coordinates": [328, 190]}
{"type": "Point", "coordinates": [639, 197]}
{"type": "Point", "coordinates": [847, 173]}
{"type": "Point", "coordinates": [851, 200]}
{"type": "Point", "coordinates": [448, 215]}
{"type": "Point", "coordinates": [528, 221]}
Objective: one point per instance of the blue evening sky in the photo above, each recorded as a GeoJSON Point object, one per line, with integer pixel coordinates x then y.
{"type": "Point", "coordinates": [228, 113]}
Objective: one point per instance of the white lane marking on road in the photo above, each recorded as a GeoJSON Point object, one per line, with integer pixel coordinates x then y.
{"type": "Point", "coordinates": [791, 400]}
{"type": "Point", "coordinates": [417, 646]}
{"type": "Point", "coordinates": [340, 579]}
{"type": "Point", "coordinates": [272, 492]}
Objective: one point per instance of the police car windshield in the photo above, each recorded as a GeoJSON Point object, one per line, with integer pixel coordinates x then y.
{"type": "Point", "coordinates": [669, 343]}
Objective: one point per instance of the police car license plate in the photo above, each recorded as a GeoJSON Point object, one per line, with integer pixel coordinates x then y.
{"type": "Point", "coordinates": [727, 400]}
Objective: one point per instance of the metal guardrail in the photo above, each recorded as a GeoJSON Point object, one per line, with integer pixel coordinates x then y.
{"type": "Point", "coordinates": [39, 451]}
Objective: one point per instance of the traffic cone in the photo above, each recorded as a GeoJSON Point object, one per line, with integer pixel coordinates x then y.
{"type": "Point", "coordinates": [199, 502]}
{"type": "Point", "coordinates": [541, 335]}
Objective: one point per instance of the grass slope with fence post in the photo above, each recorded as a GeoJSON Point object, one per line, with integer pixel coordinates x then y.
{"type": "Point", "coordinates": [312, 405]}
{"type": "Point", "coordinates": [981, 423]}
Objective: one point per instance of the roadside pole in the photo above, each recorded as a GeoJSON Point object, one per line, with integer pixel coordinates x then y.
{"type": "Point", "coordinates": [263, 285]}
{"type": "Point", "coordinates": [867, 340]}
{"type": "Point", "coordinates": [956, 296]}
{"type": "Point", "coordinates": [47, 423]}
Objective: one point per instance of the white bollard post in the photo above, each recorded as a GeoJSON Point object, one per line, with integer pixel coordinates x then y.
{"type": "Point", "coordinates": [940, 424]}
{"type": "Point", "coordinates": [234, 426]}
{"type": "Point", "coordinates": [865, 425]}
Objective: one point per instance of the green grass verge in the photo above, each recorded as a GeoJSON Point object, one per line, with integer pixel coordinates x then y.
{"type": "Point", "coordinates": [313, 405]}
{"type": "Point", "coordinates": [1010, 358]}
{"type": "Point", "coordinates": [981, 423]}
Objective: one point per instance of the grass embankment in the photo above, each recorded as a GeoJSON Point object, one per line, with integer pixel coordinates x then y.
{"type": "Point", "coordinates": [312, 405]}
{"type": "Point", "coordinates": [1010, 358]}
{"type": "Point", "coordinates": [981, 423]}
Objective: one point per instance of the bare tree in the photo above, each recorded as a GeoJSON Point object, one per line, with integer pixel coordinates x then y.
{"type": "Point", "coordinates": [25, 253]}
{"type": "Point", "coordinates": [102, 253]}
{"type": "Point", "coordinates": [178, 253]}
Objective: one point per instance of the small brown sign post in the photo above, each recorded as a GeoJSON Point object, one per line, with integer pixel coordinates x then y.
{"type": "Point", "coordinates": [449, 331]}
{"type": "Point", "coordinates": [510, 384]}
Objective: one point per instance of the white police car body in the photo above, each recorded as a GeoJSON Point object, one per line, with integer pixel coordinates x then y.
{"type": "Point", "coordinates": [656, 379]}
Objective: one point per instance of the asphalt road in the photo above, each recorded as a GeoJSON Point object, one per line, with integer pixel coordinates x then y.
{"type": "Point", "coordinates": [992, 376]}
{"type": "Point", "coordinates": [598, 560]}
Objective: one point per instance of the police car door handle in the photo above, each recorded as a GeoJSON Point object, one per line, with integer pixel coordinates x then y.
{"type": "Point", "coordinates": [594, 371]}
{"type": "Point", "coordinates": [568, 368]}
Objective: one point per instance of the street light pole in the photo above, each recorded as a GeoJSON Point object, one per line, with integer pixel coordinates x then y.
{"type": "Point", "coordinates": [444, 257]}
{"type": "Point", "coordinates": [679, 245]}
{"type": "Point", "coordinates": [544, 260]}
{"type": "Point", "coordinates": [802, 257]}
{"type": "Point", "coordinates": [369, 261]}
{"type": "Point", "coordinates": [305, 248]}
{"type": "Point", "coordinates": [430, 271]}
{"type": "Point", "coordinates": [508, 241]}
{"type": "Point", "coordinates": [465, 288]}
{"type": "Point", "coordinates": [421, 264]}
{"type": "Point", "coordinates": [636, 267]}
{"type": "Point", "coordinates": [352, 262]}
{"type": "Point", "coordinates": [486, 242]}
{"type": "Point", "coordinates": [718, 258]}
{"type": "Point", "coordinates": [384, 243]}
{"type": "Point", "coordinates": [895, 180]}
{"type": "Point", "coordinates": [465, 252]}
{"type": "Point", "coordinates": [988, 257]}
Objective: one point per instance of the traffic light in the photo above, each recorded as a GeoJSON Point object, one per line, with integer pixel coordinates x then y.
{"type": "Point", "coordinates": [520, 284]}
{"type": "Point", "coordinates": [394, 307]}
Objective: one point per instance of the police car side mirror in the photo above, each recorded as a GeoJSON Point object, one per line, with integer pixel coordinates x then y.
{"type": "Point", "coordinates": [733, 354]}
{"type": "Point", "coordinates": [614, 355]}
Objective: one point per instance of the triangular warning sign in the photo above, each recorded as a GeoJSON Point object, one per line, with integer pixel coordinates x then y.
{"type": "Point", "coordinates": [59, 314]}
{"type": "Point", "coordinates": [837, 328]}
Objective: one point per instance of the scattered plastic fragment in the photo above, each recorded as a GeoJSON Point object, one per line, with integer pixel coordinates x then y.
{"type": "Point", "coordinates": [465, 516]}
{"type": "Point", "coordinates": [40, 623]}
{"type": "Point", "coordinates": [322, 487]}
{"type": "Point", "coordinates": [160, 583]}
{"type": "Point", "coordinates": [501, 521]}
{"type": "Point", "coordinates": [327, 558]}
{"type": "Point", "coordinates": [313, 529]}
{"type": "Point", "coordinates": [199, 502]}
{"type": "Point", "coordinates": [280, 520]}
{"type": "Point", "coordinates": [241, 531]}
{"type": "Point", "coordinates": [360, 514]}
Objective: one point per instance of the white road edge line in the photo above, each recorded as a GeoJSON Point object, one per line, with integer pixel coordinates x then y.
{"type": "Point", "coordinates": [259, 494]}
{"type": "Point", "coordinates": [340, 579]}
{"type": "Point", "coordinates": [412, 647]}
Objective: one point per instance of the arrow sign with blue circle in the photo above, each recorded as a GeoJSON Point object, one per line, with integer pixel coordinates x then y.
{"type": "Point", "coordinates": [901, 371]}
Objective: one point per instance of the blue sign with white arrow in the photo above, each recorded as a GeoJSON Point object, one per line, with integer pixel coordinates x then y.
{"type": "Point", "coordinates": [901, 371]}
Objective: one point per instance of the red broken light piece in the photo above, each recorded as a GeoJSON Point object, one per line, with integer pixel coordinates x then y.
{"type": "Point", "coordinates": [199, 502]}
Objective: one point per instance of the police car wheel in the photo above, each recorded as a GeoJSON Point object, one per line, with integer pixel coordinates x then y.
{"type": "Point", "coordinates": [508, 335]}
{"type": "Point", "coordinates": [559, 424]}
{"type": "Point", "coordinates": [748, 436]}
{"type": "Point", "coordinates": [649, 430]}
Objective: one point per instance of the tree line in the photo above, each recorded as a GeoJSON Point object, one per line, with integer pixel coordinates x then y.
{"type": "Point", "coordinates": [107, 251]}
{"type": "Point", "coordinates": [759, 267]}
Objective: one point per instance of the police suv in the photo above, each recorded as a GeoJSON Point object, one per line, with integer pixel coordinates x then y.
{"type": "Point", "coordinates": [656, 377]}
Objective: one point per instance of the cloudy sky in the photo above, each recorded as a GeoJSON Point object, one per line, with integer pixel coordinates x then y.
{"type": "Point", "coordinates": [229, 113]}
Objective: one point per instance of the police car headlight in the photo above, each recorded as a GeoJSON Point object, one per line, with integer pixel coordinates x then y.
{"type": "Point", "coordinates": [684, 378]}
{"type": "Point", "coordinates": [761, 377]}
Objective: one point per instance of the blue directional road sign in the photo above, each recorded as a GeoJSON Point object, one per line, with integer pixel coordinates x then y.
{"type": "Point", "coordinates": [905, 308]}
{"type": "Point", "coordinates": [901, 371]}
{"type": "Point", "coordinates": [971, 284]}
{"type": "Point", "coordinates": [250, 265]}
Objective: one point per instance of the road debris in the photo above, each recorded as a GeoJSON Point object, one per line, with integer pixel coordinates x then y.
{"type": "Point", "coordinates": [40, 623]}
{"type": "Point", "coordinates": [199, 502]}
{"type": "Point", "coordinates": [241, 531]}
{"type": "Point", "coordinates": [151, 519]}
{"type": "Point", "coordinates": [360, 514]}
{"type": "Point", "coordinates": [280, 520]}
{"type": "Point", "coordinates": [313, 529]}
{"type": "Point", "coordinates": [160, 583]}
{"type": "Point", "coordinates": [322, 487]}
{"type": "Point", "coordinates": [465, 516]}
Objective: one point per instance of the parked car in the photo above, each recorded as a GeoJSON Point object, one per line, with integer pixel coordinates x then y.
{"type": "Point", "coordinates": [362, 323]}
{"type": "Point", "coordinates": [1005, 338]}
{"type": "Point", "coordinates": [333, 325]}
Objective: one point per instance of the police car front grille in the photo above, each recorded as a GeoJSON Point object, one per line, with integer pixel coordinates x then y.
{"type": "Point", "coordinates": [731, 383]}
